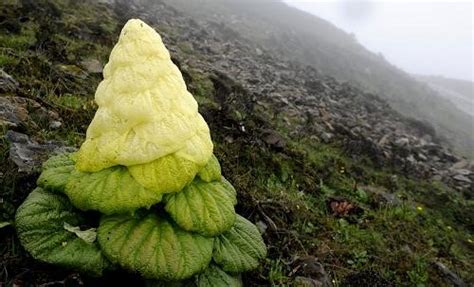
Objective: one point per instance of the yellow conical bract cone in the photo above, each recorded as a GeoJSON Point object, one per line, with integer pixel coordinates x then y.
{"type": "Point", "coordinates": [145, 111]}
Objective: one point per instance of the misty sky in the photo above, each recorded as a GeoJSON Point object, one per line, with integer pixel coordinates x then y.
{"type": "Point", "coordinates": [421, 37]}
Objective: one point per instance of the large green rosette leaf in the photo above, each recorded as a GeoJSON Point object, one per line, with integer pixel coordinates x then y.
{"type": "Point", "coordinates": [241, 248]}
{"type": "Point", "coordinates": [212, 170]}
{"type": "Point", "coordinates": [154, 246]}
{"type": "Point", "coordinates": [144, 110]}
{"type": "Point", "coordinates": [56, 172]}
{"type": "Point", "coordinates": [111, 190]}
{"type": "Point", "coordinates": [40, 222]}
{"type": "Point", "coordinates": [168, 174]}
{"type": "Point", "coordinates": [203, 207]}
{"type": "Point", "coordinates": [214, 276]}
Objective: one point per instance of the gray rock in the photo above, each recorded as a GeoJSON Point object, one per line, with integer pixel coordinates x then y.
{"type": "Point", "coordinates": [381, 196]}
{"type": "Point", "coordinates": [463, 171]}
{"type": "Point", "coordinates": [437, 177]}
{"type": "Point", "coordinates": [449, 275]}
{"type": "Point", "coordinates": [411, 159]}
{"type": "Point", "coordinates": [7, 82]}
{"type": "Point", "coordinates": [306, 282]}
{"type": "Point", "coordinates": [311, 272]}
{"type": "Point", "coordinates": [55, 125]}
{"type": "Point", "coordinates": [28, 155]}
{"type": "Point", "coordinates": [92, 66]}
{"type": "Point", "coordinates": [326, 137]}
{"type": "Point", "coordinates": [388, 198]}
{"type": "Point", "coordinates": [460, 164]}
{"type": "Point", "coordinates": [462, 178]}
{"type": "Point", "coordinates": [422, 157]}
{"type": "Point", "coordinates": [273, 139]}
{"type": "Point", "coordinates": [19, 112]}
{"type": "Point", "coordinates": [262, 226]}
{"type": "Point", "coordinates": [12, 114]}
{"type": "Point", "coordinates": [402, 142]}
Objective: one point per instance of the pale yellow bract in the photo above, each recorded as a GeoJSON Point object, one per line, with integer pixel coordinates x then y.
{"type": "Point", "coordinates": [145, 111]}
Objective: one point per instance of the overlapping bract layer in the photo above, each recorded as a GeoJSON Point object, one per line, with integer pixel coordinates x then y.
{"type": "Point", "coordinates": [240, 248]}
{"type": "Point", "coordinates": [145, 111]}
{"type": "Point", "coordinates": [154, 246]}
{"type": "Point", "coordinates": [203, 207]}
{"type": "Point", "coordinates": [111, 190]}
{"type": "Point", "coordinates": [202, 224]}
{"type": "Point", "coordinates": [40, 225]}
{"type": "Point", "coordinates": [56, 172]}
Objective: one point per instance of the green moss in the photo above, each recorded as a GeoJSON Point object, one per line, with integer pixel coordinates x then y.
{"type": "Point", "coordinates": [71, 101]}
{"type": "Point", "coordinates": [18, 42]}
{"type": "Point", "coordinates": [186, 47]}
{"type": "Point", "coordinates": [7, 60]}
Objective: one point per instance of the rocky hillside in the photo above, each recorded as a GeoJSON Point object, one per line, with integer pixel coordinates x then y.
{"type": "Point", "coordinates": [346, 191]}
{"type": "Point", "coordinates": [293, 34]}
{"type": "Point", "coordinates": [460, 92]}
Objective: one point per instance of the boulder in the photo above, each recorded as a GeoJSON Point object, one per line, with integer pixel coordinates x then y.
{"type": "Point", "coordinates": [7, 82]}
{"type": "Point", "coordinates": [28, 155]}
{"type": "Point", "coordinates": [308, 271]}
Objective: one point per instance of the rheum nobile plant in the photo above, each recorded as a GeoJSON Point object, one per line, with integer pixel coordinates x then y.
{"type": "Point", "coordinates": [147, 169]}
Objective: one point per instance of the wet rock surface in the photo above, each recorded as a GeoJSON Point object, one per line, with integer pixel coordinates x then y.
{"type": "Point", "coordinates": [12, 114]}
{"type": "Point", "coordinates": [309, 272]}
{"type": "Point", "coordinates": [7, 82]}
{"type": "Point", "coordinates": [19, 113]}
{"type": "Point", "coordinates": [28, 154]}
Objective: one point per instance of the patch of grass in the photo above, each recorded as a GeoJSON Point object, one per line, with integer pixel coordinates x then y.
{"type": "Point", "coordinates": [276, 273]}
{"type": "Point", "coordinates": [70, 101]}
{"type": "Point", "coordinates": [7, 60]}
{"type": "Point", "coordinates": [19, 42]}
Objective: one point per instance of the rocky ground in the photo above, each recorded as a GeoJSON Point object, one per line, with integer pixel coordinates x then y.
{"type": "Point", "coordinates": [346, 191]}
{"type": "Point", "coordinates": [329, 109]}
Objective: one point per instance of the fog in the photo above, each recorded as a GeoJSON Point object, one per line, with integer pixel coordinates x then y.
{"type": "Point", "coordinates": [426, 37]}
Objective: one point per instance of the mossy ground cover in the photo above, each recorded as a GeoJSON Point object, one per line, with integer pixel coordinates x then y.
{"type": "Point", "coordinates": [288, 189]}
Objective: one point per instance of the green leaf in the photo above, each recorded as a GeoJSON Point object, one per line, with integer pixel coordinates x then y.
{"type": "Point", "coordinates": [154, 246]}
{"type": "Point", "coordinates": [60, 160]}
{"type": "Point", "coordinates": [241, 248]}
{"type": "Point", "coordinates": [159, 283]}
{"type": "Point", "coordinates": [212, 170]}
{"type": "Point", "coordinates": [203, 207]}
{"type": "Point", "coordinates": [168, 174]}
{"type": "Point", "coordinates": [230, 190]}
{"type": "Point", "coordinates": [89, 235]}
{"type": "Point", "coordinates": [3, 224]}
{"type": "Point", "coordinates": [56, 172]}
{"type": "Point", "coordinates": [40, 225]}
{"type": "Point", "coordinates": [214, 276]}
{"type": "Point", "coordinates": [109, 191]}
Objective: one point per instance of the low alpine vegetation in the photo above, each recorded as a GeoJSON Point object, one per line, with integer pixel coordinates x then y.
{"type": "Point", "coordinates": [147, 168]}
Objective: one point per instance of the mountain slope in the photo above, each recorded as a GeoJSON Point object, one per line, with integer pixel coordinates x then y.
{"type": "Point", "coordinates": [297, 35]}
{"type": "Point", "coordinates": [460, 92]}
{"type": "Point", "coordinates": [346, 191]}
